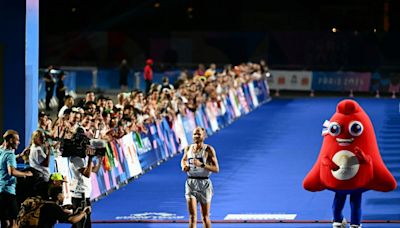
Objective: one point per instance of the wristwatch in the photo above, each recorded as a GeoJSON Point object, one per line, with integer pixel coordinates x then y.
{"type": "Point", "coordinates": [202, 165]}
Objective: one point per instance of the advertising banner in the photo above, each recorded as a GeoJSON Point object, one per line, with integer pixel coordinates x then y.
{"type": "Point", "coordinates": [290, 80]}
{"type": "Point", "coordinates": [341, 81]}
{"type": "Point", "coordinates": [242, 101]}
{"type": "Point", "coordinates": [234, 104]}
{"type": "Point", "coordinates": [147, 155]}
{"type": "Point", "coordinates": [212, 114]}
{"type": "Point", "coordinates": [129, 150]}
{"type": "Point", "coordinates": [114, 171]}
{"type": "Point", "coordinates": [180, 132]}
{"type": "Point", "coordinates": [189, 124]}
{"type": "Point", "coordinates": [169, 138]}
{"type": "Point", "coordinates": [385, 82]}
{"type": "Point", "coordinates": [247, 95]}
{"type": "Point", "coordinates": [155, 140]}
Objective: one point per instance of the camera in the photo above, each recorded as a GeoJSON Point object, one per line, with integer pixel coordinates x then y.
{"type": "Point", "coordinates": [77, 145]}
{"type": "Point", "coordinates": [99, 146]}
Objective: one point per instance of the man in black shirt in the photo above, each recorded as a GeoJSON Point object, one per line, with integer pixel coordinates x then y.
{"type": "Point", "coordinates": [51, 212]}
{"type": "Point", "coordinates": [49, 85]}
{"type": "Point", "coordinates": [60, 90]}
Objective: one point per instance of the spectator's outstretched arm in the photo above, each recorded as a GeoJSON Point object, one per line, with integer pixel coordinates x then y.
{"type": "Point", "coordinates": [16, 173]}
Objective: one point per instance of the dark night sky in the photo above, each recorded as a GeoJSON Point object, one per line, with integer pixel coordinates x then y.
{"type": "Point", "coordinates": [254, 15]}
{"type": "Point", "coordinates": [137, 29]}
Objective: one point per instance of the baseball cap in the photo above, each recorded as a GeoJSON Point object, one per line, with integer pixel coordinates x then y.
{"type": "Point", "coordinates": [57, 177]}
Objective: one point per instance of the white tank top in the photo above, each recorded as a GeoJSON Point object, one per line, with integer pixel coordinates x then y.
{"type": "Point", "coordinates": [197, 171]}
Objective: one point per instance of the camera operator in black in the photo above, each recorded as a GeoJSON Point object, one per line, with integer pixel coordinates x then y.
{"type": "Point", "coordinates": [49, 85]}
{"type": "Point", "coordinates": [81, 183]}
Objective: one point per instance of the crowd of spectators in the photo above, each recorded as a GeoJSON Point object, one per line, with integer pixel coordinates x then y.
{"type": "Point", "coordinates": [102, 118]}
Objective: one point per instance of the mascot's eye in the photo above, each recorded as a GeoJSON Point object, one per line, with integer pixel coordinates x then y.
{"type": "Point", "coordinates": [356, 128]}
{"type": "Point", "coordinates": [334, 129]}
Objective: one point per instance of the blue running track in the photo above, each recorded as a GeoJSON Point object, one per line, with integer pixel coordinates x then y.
{"type": "Point", "coordinates": [264, 157]}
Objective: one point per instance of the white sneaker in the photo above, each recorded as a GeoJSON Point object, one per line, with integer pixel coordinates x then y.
{"type": "Point", "coordinates": [340, 224]}
{"type": "Point", "coordinates": [355, 226]}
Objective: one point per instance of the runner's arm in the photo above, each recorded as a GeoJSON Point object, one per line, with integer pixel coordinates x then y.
{"type": "Point", "coordinates": [212, 161]}
{"type": "Point", "coordinates": [184, 160]}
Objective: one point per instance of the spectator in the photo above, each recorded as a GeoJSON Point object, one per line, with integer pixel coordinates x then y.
{"type": "Point", "coordinates": [210, 72]}
{"type": "Point", "coordinates": [44, 123]}
{"type": "Point", "coordinates": [182, 79]}
{"type": "Point", "coordinates": [90, 108]}
{"type": "Point", "coordinates": [68, 103]}
{"type": "Point", "coordinates": [148, 74]}
{"type": "Point", "coordinates": [200, 70]}
{"type": "Point", "coordinates": [110, 104]}
{"type": "Point", "coordinates": [62, 126]}
{"type": "Point", "coordinates": [60, 90]}
{"type": "Point", "coordinates": [75, 118]}
{"type": "Point", "coordinates": [8, 174]}
{"type": "Point", "coordinates": [39, 156]}
{"type": "Point", "coordinates": [101, 103]}
{"type": "Point", "coordinates": [56, 179]}
{"type": "Point", "coordinates": [263, 66]}
{"type": "Point", "coordinates": [166, 84]}
{"type": "Point", "coordinates": [88, 98]}
{"type": "Point", "coordinates": [121, 97]}
{"type": "Point", "coordinates": [123, 75]}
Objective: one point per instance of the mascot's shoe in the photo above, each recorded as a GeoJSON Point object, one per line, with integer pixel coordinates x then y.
{"type": "Point", "coordinates": [355, 226]}
{"type": "Point", "coordinates": [340, 224]}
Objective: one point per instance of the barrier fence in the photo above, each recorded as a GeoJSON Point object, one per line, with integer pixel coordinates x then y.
{"type": "Point", "coordinates": [106, 79]}
{"type": "Point", "coordinates": [336, 81]}
{"type": "Point", "coordinates": [135, 153]}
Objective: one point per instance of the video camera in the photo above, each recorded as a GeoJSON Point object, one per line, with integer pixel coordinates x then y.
{"type": "Point", "coordinates": [77, 145]}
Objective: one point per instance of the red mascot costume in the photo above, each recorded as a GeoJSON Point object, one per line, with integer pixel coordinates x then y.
{"type": "Point", "coordinates": [349, 162]}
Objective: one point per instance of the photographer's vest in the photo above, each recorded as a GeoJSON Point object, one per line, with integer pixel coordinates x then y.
{"type": "Point", "coordinates": [201, 156]}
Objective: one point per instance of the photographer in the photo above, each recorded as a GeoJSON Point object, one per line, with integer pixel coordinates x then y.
{"type": "Point", "coordinates": [51, 212]}
{"type": "Point", "coordinates": [81, 188]}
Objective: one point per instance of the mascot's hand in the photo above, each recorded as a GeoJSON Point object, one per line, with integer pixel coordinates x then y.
{"type": "Point", "coordinates": [328, 162]}
{"type": "Point", "coordinates": [361, 155]}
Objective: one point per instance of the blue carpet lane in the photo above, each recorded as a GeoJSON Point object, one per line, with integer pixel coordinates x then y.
{"type": "Point", "coordinates": [264, 157]}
